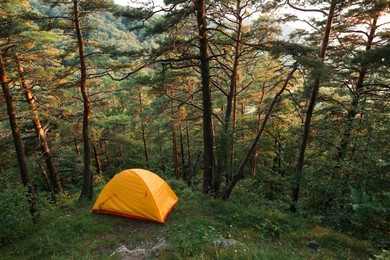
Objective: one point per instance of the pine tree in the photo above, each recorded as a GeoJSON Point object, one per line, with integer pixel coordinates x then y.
{"type": "Point", "coordinates": [26, 179]}
{"type": "Point", "coordinates": [333, 8]}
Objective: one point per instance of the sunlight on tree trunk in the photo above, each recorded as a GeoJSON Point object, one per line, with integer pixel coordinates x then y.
{"type": "Point", "coordinates": [24, 173]}
{"type": "Point", "coordinates": [53, 173]}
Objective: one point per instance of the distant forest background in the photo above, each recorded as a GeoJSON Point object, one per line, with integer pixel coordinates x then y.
{"type": "Point", "coordinates": [212, 93]}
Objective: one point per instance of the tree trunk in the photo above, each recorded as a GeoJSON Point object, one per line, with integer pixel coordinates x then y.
{"type": "Point", "coordinates": [240, 171]}
{"type": "Point", "coordinates": [182, 146]}
{"type": "Point", "coordinates": [226, 156]}
{"type": "Point", "coordinates": [103, 145]}
{"type": "Point", "coordinates": [242, 110]}
{"type": "Point", "coordinates": [182, 156]}
{"type": "Point", "coordinates": [256, 153]}
{"type": "Point", "coordinates": [217, 177]}
{"type": "Point", "coordinates": [175, 153]}
{"type": "Point", "coordinates": [120, 155]}
{"type": "Point", "coordinates": [309, 112]}
{"type": "Point", "coordinates": [77, 147]}
{"type": "Point", "coordinates": [208, 153]}
{"type": "Point", "coordinates": [145, 142]}
{"type": "Point", "coordinates": [87, 189]}
{"type": "Point", "coordinates": [253, 161]}
{"type": "Point", "coordinates": [47, 182]}
{"type": "Point", "coordinates": [25, 175]}
{"type": "Point", "coordinates": [161, 152]}
{"type": "Point", "coordinates": [144, 138]}
{"type": "Point", "coordinates": [277, 160]}
{"type": "Point", "coordinates": [233, 141]}
{"type": "Point", "coordinates": [97, 161]}
{"type": "Point", "coordinates": [189, 161]}
{"type": "Point", "coordinates": [234, 74]}
{"type": "Point", "coordinates": [53, 173]}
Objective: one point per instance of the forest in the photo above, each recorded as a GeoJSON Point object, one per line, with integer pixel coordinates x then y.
{"type": "Point", "coordinates": [270, 119]}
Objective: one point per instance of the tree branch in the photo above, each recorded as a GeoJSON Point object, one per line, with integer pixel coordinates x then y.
{"type": "Point", "coordinates": [306, 10]}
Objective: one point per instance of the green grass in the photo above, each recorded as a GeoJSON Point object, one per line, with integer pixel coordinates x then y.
{"type": "Point", "coordinates": [266, 230]}
{"type": "Point", "coordinates": [69, 230]}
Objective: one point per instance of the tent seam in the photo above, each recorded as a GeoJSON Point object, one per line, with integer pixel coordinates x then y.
{"type": "Point", "coordinates": [154, 201]}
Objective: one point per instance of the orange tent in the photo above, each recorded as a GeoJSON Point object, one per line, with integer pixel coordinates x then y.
{"type": "Point", "coordinates": [136, 193]}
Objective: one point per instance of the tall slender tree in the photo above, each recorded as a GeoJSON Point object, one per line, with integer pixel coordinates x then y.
{"type": "Point", "coordinates": [226, 36]}
{"type": "Point", "coordinates": [76, 13]}
{"type": "Point", "coordinates": [371, 20]}
{"type": "Point", "coordinates": [143, 128]}
{"type": "Point", "coordinates": [332, 10]}
{"type": "Point", "coordinates": [32, 44]}
{"type": "Point", "coordinates": [55, 180]}
{"type": "Point", "coordinates": [25, 175]}
{"type": "Point", "coordinates": [240, 171]}
{"type": "Point", "coordinates": [208, 136]}
{"type": "Point", "coordinates": [87, 188]}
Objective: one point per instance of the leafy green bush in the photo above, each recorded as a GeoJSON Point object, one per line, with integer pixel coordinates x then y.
{"type": "Point", "coordinates": [371, 215]}
{"type": "Point", "coordinates": [384, 255]}
{"type": "Point", "coordinates": [15, 217]}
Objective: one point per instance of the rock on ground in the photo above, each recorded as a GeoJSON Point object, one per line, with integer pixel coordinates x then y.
{"type": "Point", "coordinates": [227, 243]}
{"type": "Point", "coordinates": [161, 248]}
{"type": "Point", "coordinates": [124, 253]}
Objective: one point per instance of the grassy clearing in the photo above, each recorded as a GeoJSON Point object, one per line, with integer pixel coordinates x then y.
{"type": "Point", "coordinates": [70, 231]}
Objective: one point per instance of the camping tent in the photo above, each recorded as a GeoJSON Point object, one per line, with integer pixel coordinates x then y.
{"type": "Point", "coordinates": [136, 193]}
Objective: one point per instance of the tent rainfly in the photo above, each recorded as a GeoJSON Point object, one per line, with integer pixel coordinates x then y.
{"type": "Point", "coordinates": [136, 193]}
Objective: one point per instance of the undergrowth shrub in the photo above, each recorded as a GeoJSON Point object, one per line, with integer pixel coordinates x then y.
{"type": "Point", "coordinates": [371, 216]}
{"type": "Point", "coordinates": [15, 217]}
{"type": "Point", "coordinates": [181, 189]}
{"type": "Point", "coordinates": [385, 254]}
{"type": "Point", "coordinates": [65, 230]}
